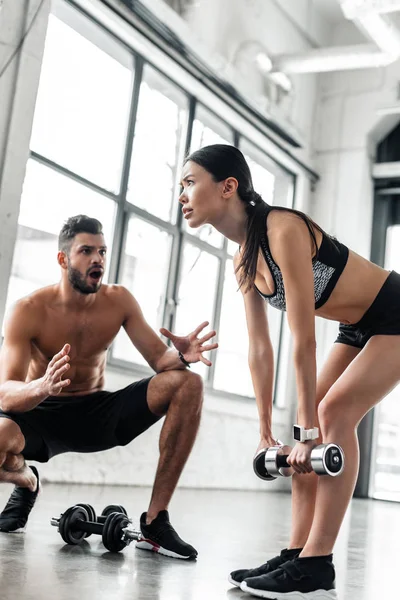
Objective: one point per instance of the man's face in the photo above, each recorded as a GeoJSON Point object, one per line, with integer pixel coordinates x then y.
{"type": "Point", "coordinates": [86, 262]}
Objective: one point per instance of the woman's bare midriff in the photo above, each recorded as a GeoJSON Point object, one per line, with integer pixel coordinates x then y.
{"type": "Point", "coordinates": [355, 291]}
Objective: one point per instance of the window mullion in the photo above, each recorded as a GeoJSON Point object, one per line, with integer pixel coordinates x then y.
{"type": "Point", "coordinates": [119, 232]}
{"type": "Point", "coordinates": [178, 245]}
{"type": "Point", "coordinates": [217, 310]}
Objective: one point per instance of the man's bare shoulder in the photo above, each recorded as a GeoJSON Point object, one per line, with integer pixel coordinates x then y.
{"type": "Point", "coordinates": [114, 291]}
{"type": "Point", "coordinates": [27, 314]}
{"type": "Point", "coordinates": [37, 300]}
{"type": "Point", "coordinates": [117, 295]}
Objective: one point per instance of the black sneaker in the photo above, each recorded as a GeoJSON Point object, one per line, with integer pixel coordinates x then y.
{"type": "Point", "coordinates": [15, 514]}
{"type": "Point", "coordinates": [310, 578]}
{"type": "Point", "coordinates": [161, 537]}
{"type": "Point", "coordinates": [236, 577]}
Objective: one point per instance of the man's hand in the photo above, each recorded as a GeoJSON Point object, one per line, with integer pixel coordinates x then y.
{"type": "Point", "coordinates": [52, 382]}
{"type": "Point", "coordinates": [191, 346]}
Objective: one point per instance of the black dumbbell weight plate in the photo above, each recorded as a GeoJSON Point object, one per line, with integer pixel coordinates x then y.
{"type": "Point", "coordinates": [112, 508]}
{"type": "Point", "coordinates": [91, 512]}
{"type": "Point", "coordinates": [67, 526]}
{"type": "Point", "coordinates": [112, 532]}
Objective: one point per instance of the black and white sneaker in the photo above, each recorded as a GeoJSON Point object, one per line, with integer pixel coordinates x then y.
{"type": "Point", "coordinates": [161, 537]}
{"type": "Point", "coordinates": [15, 514]}
{"type": "Point", "coordinates": [236, 577]}
{"type": "Point", "coordinates": [310, 578]}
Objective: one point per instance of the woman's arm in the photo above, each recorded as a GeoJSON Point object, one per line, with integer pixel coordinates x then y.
{"type": "Point", "coordinates": [291, 247]}
{"type": "Point", "coordinates": [261, 359]}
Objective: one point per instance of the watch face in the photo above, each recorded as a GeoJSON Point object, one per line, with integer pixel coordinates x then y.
{"type": "Point", "coordinates": [296, 433]}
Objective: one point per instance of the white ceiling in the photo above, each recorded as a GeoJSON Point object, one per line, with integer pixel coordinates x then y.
{"type": "Point", "coordinates": [330, 9]}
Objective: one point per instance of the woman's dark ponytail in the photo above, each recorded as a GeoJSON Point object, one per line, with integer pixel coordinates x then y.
{"type": "Point", "coordinates": [256, 210]}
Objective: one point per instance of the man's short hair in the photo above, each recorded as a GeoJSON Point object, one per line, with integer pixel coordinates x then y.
{"type": "Point", "coordinates": [75, 225]}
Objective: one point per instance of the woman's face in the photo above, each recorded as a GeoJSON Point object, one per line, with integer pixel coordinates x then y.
{"type": "Point", "coordinates": [201, 196]}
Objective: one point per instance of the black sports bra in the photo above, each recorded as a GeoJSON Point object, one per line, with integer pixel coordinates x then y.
{"type": "Point", "coordinates": [327, 266]}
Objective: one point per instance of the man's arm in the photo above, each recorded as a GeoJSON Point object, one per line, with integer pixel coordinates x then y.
{"type": "Point", "coordinates": [144, 338]}
{"type": "Point", "coordinates": [187, 349]}
{"type": "Point", "coordinates": [15, 394]}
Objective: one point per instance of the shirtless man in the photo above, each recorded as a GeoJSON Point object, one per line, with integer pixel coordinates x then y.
{"type": "Point", "coordinates": [52, 365]}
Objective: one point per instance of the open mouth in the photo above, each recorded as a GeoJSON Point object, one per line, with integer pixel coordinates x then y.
{"type": "Point", "coordinates": [96, 275]}
{"type": "Point", "coordinates": [187, 212]}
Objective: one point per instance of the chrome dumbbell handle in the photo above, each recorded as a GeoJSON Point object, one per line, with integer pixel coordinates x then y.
{"type": "Point", "coordinates": [55, 522]}
{"type": "Point", "coordinates": [276, 461]}
{"type": "Point", "coordinates": [130, 535]}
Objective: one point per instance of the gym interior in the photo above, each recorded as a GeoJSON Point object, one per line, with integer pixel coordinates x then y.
{"type": "Point", "coordinates": [100, 102]}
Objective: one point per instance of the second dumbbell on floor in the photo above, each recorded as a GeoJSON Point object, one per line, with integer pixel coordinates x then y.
{"type": "Point", "coordinates": [80, 521]}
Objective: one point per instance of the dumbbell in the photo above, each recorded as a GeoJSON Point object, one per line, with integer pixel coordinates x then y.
{"type": "Point", "coordinates": [93, 518]}
{"type": "Point", "coordinates": [270, 463]}
{"type": "Point", "coordinates": [75, 524]}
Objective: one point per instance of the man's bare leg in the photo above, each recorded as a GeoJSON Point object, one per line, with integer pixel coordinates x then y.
{"type": "Point", "coordinates": [12, 464]}
{"type": "Point", "coordinates": [15, 470]}
{"type": "Point", "coordinates": [179, 395]}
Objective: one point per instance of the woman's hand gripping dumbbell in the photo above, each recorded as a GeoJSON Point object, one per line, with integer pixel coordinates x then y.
{"type": "Point", "coordinates": [270, 463]}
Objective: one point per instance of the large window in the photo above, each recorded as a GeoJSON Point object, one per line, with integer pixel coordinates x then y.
{"type": "Point", "coordinates": [83, 102]}
{"type": "Point", "coordinates": [144, 271]}
{"type": "Point", "coordinates": [109, 138]}
{"type": "Point", "coordinates": [158, 147]}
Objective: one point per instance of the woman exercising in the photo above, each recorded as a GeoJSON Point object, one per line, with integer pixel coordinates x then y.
{"type": "Point", "coordinates": [286, 259]}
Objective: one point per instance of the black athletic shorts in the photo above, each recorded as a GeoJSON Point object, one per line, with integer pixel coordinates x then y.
{"type": "Point", "coordinates": [91, 423]}
{"type": "Point", "coordinates": [381, 318]}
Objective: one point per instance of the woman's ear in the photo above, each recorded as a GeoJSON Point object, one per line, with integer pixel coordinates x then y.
{"type": "Point", "coordinates": [230, 187]}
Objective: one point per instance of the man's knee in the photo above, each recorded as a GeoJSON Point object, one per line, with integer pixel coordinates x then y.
{"type": "Point", "coordinates": [193, 382]}
{"type": "Point", "coordinates": [174, 387]}
{"type": "Point", "coordinates": [177, 380]}
{"type": "Point", "coordinates": [13, 462]}
{"type": "Point", "coordinates": [11, 437]}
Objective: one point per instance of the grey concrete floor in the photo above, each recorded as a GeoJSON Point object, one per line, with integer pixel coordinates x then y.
{"type": "Point", "coordinates": [229, 529]}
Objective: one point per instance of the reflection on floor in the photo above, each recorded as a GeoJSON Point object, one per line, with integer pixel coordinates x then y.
{"type": "Point", "coordinates": [229, 529]}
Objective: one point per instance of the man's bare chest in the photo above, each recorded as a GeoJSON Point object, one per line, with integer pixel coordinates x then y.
{"type": "Point", "coordinates": [89, 334]}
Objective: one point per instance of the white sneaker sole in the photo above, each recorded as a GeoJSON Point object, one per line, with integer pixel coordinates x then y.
{"type": "Point", "coordinates": [233, 582]}
{"type": "Point", "coordinates": [146, 544]}
{"type": "Point", "coordinates": [317, 595]}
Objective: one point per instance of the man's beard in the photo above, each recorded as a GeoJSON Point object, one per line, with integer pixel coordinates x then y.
{"type": "Point", "coordinates": [77, 280]}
